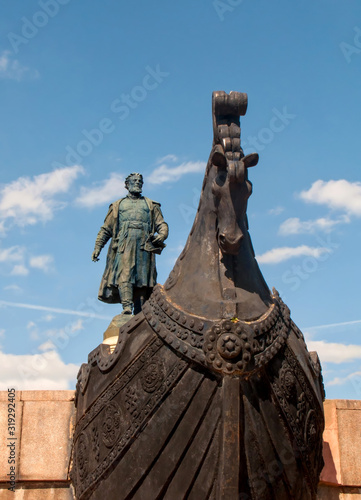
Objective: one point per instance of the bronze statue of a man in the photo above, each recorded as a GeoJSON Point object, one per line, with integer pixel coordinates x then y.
{"type": "Point", "coordinates": [137, 231]}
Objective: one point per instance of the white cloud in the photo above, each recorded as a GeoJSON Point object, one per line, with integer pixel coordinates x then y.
{"type": "Point", "coordinates": [48, 317]}
{"type": "Point", "coordinates": [281, 254]}
{"type": "Point", "coordinates": [30, 200]}
{"type": "Point", "coordinates": [77, 325]}
{"type": "Point", "coordinates": [48, 345]}
{"type": "Point", "coordinates": [43, 371]}
{"type": "Point", "coordinates": [2, 333]}
{"type": "Point", "coordinates": [11, 69]}
{"type": "Point", "coordinates": [332, 352]}
{"type": "Point", "coordinates": [16, 254]}
{"type": "Point", "coordinates": [275, 211]}
{"type": "Point", "coordinates": [102, 192]}
{"type": "Point", "coordinates": [34, 334]}
{"type": "Point", "coordinates": [164, 173]}
{"type": "Point", "coordinates": [295, 226]}
{"type": "Point", "coordinates": [19, 270]}
{"type": "Point", "coordinates": [166, 158]}
{"type": "Point", "coordinates": [352, 377]}
{"type": "Point", "coordinates": [341, 195]}
{"type": "Point", "coordinates": [43, 262]}
{"type": "Point", "coordinates": [61, 336]}
{"type": "Point", "coordinates": [13, 288]}
{"type": "Point", "coordinates": [12, 254]}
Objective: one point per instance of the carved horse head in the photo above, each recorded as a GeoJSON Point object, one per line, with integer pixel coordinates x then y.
{"type": "Point", "coordinates": [216, 274]}
{"type": "Point", "coordinates": [230, 186]}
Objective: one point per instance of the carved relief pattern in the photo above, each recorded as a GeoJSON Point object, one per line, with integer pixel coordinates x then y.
{"type": "Point", "coordinates": [131, 401]}
{"type": "Point", "coordinates": [118, 385]}
{"type": "Point", "coordinates": [182, 331]}
{"type": "Point", "coordinates": [82, 455]}
{"type": "Point", "coordinates": [152, 375]}
{"type": "Point", "coordinates": [305, 423]}
{"type": "Point", "coordinates": [95, 442]}
{"type": "Point", "coordinates": [111, 424]}
{"type": "Point", "coordinates": [122, 414]}
{"type": "Point", "coordinates": [301, 409]}
{"type": "Point", "coordinates": [312, 429]}
{"type": "Point", "coordinates": [287, 380]}
{"type": "Point", "coordinates": [226, 347]}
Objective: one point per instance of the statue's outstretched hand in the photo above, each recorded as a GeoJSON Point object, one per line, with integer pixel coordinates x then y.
{"type": "Point", "coordinates": [95, 255]}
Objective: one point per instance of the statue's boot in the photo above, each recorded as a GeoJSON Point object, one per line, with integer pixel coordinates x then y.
{"type": "Point", "coordinates": [142, 296]}
{"type": "Point", "coordinates": [126, 297]}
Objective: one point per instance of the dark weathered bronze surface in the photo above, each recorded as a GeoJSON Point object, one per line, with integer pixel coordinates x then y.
{"type": "Point", "coordinates": [210, 392]}
{"type": "Point", "coordinates": [137, 231]}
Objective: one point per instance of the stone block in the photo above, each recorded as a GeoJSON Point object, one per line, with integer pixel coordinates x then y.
{"type": "Point", "coordinates": [51, 492]}
{"type": "Point", "coordinates": [48, 494]}
{"type": "Point", "coordinates": [9, 495]}
{"type": "Point", "coordinates": [347, 404]}
{"type": "Point", "coordinates": [4, 396]}
{"type": "Point", "coordinates": [349, 437]}
{"type": "Point", "coordinates": [331, 472]}
{"type": "Point", "coordinates": [352, 494]}
{"type": "Point", "coordinates": [326, 492]}
{"type": "Point", "coordinates": [46, 440]}
{"type": "Point", "coordinates": [6, 440]}
{"type": "Point", "coordinates": [47, 395]}
{"type": "Point", "coordinates": [342, 443]}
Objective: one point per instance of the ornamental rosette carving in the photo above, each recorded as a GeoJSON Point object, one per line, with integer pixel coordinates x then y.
{"type": "Point", "coordinates": [152, 376]}
{"type": "Point", "coordinates": [288, 380]}
{"type": "Point", "coordinates": [228, 348]}
{"type": "Point", "coordinates": [111, 424]}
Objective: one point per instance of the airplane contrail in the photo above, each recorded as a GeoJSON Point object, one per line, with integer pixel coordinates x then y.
{"type": "Point", "coordinates": [330, 325]}
{"type": "Point", "coordinates": [54, 309]}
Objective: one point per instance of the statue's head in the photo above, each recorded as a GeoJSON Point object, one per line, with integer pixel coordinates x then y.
{"type": "Point", "coordinates": [134, 183]}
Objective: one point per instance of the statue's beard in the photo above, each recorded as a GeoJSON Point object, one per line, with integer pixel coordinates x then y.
{"type": "Point", "coordinates": [135, 191]}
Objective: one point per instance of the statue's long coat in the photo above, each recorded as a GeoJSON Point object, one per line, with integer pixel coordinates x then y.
{"type": "Point", "coordinates": [108, 291]}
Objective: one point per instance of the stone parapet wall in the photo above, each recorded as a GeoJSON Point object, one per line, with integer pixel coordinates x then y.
{"type": "Point", "coordinates": [341, 475]}
{"type": "Point", "coordinates": [42, 446]}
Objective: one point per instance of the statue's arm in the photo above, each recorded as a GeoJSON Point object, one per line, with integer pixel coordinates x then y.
{"type": "Point", "coordinates": [105, 233]}
{"type": "Point", "coordinates": [161, 227]}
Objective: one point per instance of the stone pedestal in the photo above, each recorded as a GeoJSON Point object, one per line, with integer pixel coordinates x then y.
{"type": "Point", "coordinates": [111, 334]}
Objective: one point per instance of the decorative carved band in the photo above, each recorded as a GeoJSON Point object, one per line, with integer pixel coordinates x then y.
{"type": "Point", "coordinates": [117, 386]}
{"type": "Point", "coordinates": [110, 424]}
{"type": "Point", "coordinates": [303, 413]}
{"type": "Point", "coordinates": [226, 346]}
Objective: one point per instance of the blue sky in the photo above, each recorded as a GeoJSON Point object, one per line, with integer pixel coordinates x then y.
{"type": "Point", "coordinates": [91, 91]}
